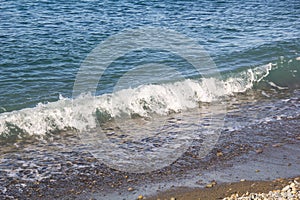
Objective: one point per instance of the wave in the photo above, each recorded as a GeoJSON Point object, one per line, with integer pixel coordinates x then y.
{"type": "Point", "coordinates": [86, 111]}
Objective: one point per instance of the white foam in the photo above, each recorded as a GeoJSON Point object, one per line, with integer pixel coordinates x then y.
{"type": "Point", "coordinates": [144, 100]}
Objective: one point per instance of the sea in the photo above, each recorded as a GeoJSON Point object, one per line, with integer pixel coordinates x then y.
{"type": "Point", "coordinates": [136, 84]}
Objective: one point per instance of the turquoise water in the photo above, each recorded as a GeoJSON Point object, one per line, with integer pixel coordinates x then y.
{"type": "Point", "coordinates": [43, 45]}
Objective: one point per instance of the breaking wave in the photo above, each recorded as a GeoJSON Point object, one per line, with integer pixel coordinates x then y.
{"type": "Point", "coordinates": [87, 111]}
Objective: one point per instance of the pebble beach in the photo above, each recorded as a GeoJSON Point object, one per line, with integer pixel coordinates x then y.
{"type": "Point", "coordinates": [290, 190]}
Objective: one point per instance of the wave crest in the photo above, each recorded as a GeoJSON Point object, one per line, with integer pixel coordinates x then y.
{"type": "Point", "coordinates": [86, 111]}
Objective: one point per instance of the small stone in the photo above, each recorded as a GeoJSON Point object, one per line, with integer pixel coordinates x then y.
{"type": "Point", "coordinates": [219, 154]}
{"type": "Point", "coordinates": [243, 180]}
{"type": "Point", "coordinates": [277, 145]}
{"type": "Point", "coordinates": [292, 185]}
{"type": "Point", "coordinates": [286, 188]}
{"type": "Point", "coordinates": [140, 197]}
{"type": "Point", "coordinates": [257, 170]}
{"type": "Point", "coordinates": [209, 185]}
{"type": "Point", "coordinates": [258, 151]}
{"type": "Point", "coordinates": [173, 198]}
{"type": "Point", "coordinates": [69, 164]}
{"type": "Point", "coordinates": [130, 189]}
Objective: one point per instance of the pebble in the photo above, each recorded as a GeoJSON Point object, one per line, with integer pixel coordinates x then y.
{"type": "Point", "coordinates": [140, 197]}
{"type": "Point", "coordinates": [277, 145]}
{"type": "Point", "coordinates": [258, 151]}
{"type": "Point", "coordinates": [212, 184]}
{"type": "Point", "coordinates": [219, 154]}
{"type": "Point", "coordinates": [286, 188]}
{"type": "Point", "coordinates": [3, 189]}
{"type": "Point", "coordinates": [69, 163]}
{"type": "Point", "coordinates": [130, 189]}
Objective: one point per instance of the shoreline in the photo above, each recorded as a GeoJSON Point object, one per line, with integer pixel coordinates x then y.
{"type": "Point", "coordinates": [76, 174]}
{"type": "Point", "coordinates": [261, 172]}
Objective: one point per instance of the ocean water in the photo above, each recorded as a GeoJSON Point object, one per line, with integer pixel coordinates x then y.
{"type": "Point", "coordinates": [254, 46]}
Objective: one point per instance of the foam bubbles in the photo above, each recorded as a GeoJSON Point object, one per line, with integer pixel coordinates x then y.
{"type": "Point", "coordinates": [143, 101]}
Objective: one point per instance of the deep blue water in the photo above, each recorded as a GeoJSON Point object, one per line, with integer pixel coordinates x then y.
{"type": "Point", "coordinates": [43, 43]}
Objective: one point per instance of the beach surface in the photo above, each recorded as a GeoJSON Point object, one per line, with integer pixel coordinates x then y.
{"type": "Point", "coordinates": [235, 190]}
{"type": "Point", "coordinates": [74, 174]}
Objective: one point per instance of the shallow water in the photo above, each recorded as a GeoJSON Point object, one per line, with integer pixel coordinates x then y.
{"type": "Point", "coordinates": [29, 164]}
